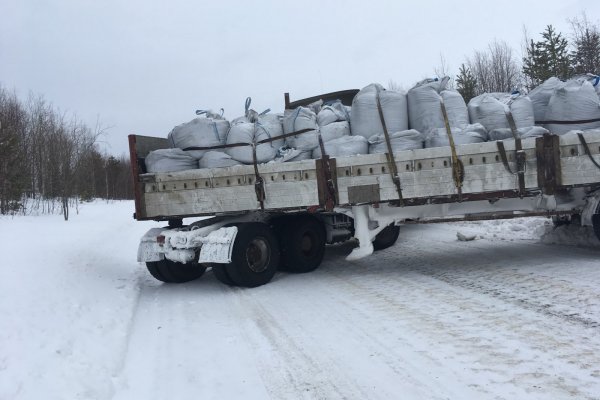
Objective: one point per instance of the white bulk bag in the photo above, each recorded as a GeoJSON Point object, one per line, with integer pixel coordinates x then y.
{"type": "Point", "coordinates": [523, 133]}
{"type": "Point", "coordinates": [331, 113]}
{"type": "Point", "coordinates": [364, 118]}
{"type": "Point", "coordinates": [344, 146]}
{"type": "Point", "coordinates": [490, 110]}
{"type": "Point", "coordinates": [576, 100]}
{"type": "Point", "coordinates": [474, 133]}
{"type": "Point", "coordinates": [170, 160]}
{"type": "Point", "coordinates": [253, 128]}
{"type": "Point", "coordinates": [298, 119]}
{"type": "Point", "coordinates": [216, 159]}
{"type": "Point", "coordinates": [335, 130]}
{"type": "Point", "coordinates": [425, 110]}
{"type": "Point", "coordinates": [244, 130]}
{"type": "Point", "coordinates": [400, 141]}
{"type": "Point", "coordinates": [200, 132]}
{"type": "Point", "coordinates": [540, 96]}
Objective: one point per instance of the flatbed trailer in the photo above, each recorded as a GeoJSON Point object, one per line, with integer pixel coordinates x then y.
{"type": "Point", "coordinates": [271, 216]}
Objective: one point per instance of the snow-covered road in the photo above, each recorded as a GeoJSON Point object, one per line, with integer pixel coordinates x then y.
{"type": "Point", "coordinates": [501, 317]}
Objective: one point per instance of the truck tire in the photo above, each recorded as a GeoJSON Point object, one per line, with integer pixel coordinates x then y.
{"type": "Point", "coordinates": [387, 237]}
{"type": "Point", "coordinates": [173, 272]}
{"type": "Point", "coordinates": [220, 272]}
{"type": "Point", "coordinates": [302, 244]}
{"type": "Point", "coordinates": [255, 255]}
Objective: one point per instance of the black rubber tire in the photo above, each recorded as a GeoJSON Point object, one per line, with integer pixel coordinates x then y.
{"type": "Point", "coordinates": [302, 244]}
{"type": "Point", "coordinates": [596, 224]}
{"type": "Point", "coordinates": [220, 272]}
{"type": "Point", "coordinates": [253, 240]}
{"type": "Point", "coordinates": [173, 272]}
{"type": "Point", "coordinates": [387, 237]}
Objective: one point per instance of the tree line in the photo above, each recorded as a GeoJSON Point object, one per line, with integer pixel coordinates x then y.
{"type": "Point", "coordinates": [552, 54]}
{"type": "Point", "coordinates": [49, 161]}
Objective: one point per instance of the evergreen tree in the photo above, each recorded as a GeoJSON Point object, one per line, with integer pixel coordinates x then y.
{"type": "Point", "coordinates": [466, 84]}
{"type": "Point", "coordinates": [585, 56]}
{"type": "Point", "coordinates": [546, 58]}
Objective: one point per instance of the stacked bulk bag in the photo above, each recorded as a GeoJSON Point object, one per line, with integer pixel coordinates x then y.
{"type": "Point", "coordinates": [170, 160]}
{"type": "Point", "coordinates": [475, 133]}
{"type": "Point", "coordinates": [298, 119]}
{"type": "Point", "coordinates": [576, 100]}
{"type": "Point", "coordinates": [491, 109]}
{"type": "Point", "coordinates": [365, 120]}
{"type": "Point", "coordinates": [425, 110]}
{"type": "Point", "coordinates": [343, 146]}
{"type": "Point", "coordinates": [540, 96]}
{"type": "Point", "coordinates": [253, 128]}
{"type": "Point", "coordinates": [207, 131]}
{"type": "Point", "coordinates": [334, 121]}
{"type": "Point", "coordinates": [217, 159]}
{"type": "Point", "coordinates": [400, 141]}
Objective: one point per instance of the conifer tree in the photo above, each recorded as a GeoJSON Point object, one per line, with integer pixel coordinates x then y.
{"type": "Point", "coordinates": [546, 58]}
{"type": "Point", "coordinates": [466, 84]}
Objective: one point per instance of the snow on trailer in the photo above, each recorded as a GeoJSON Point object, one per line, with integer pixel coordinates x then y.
{"type": "Point", "coordinates": [281, 215]}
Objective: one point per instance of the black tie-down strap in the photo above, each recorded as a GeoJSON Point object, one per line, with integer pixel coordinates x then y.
{"type": "Point", "coordinates": [458, 169]}
{"type": "Point", "coordinates": [520, 156]}
{"type": "Point", "coordinates": [259, 183]}
{"type": "Point", "coordinates": [390, 154]}
{"type": "Point", "coordinates": [587, 149]}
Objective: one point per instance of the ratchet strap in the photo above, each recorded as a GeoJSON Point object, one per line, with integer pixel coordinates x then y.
{"type": "Point", "coordinates": [390, 154]}
{"type": "Point", "coordinates": [259, 183]}
{"type": "Point", "coordinates": [458, 169]}
{"type": "Point", "coordinates": [587, 149]}
{"type": "Point", "coordinates": [519, 153]}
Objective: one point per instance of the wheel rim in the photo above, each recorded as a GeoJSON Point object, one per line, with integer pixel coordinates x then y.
{"type": "Point", "coordinates": [258, 254]}
{"type": "Point", "coordinates": [307, 243]}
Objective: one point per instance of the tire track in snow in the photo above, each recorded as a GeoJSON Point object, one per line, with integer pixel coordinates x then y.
{"type": "Point", "coordinates": [382, 283]}
{"type": "Point", "coordinates": [299, 368]}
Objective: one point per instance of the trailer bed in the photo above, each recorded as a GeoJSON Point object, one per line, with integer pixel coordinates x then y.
{"type": "Point", "coordinates": [553, 164]}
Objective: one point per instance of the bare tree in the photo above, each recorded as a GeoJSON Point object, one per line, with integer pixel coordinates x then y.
{"type": "Point", "coordinates": [495, 69]}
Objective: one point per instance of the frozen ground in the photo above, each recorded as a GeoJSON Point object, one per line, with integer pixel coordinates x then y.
{"type": "Point", "coordinates": [500, 317]}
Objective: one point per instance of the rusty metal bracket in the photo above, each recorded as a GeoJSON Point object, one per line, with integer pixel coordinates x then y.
{"type": "Point", "coordinates": [390, 155]}
{"type": "Point", "coordinates": [326, 178]}
{"type": "Point", "coordinates": [547, 150]}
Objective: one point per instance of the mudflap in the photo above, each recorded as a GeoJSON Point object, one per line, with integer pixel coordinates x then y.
{"type": "Point", "coordinates": [218, 245]}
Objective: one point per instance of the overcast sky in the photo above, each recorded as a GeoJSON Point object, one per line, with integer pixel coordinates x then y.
{"type": "Point", "coordinates": [145, 66]}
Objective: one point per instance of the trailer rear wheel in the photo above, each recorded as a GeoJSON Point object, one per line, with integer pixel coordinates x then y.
{"type": "Point", "coordinates": [302, 244]}
{"type": "Point", "coordinates": [220, 272]}
{"type": "Point", "coordinates": [255, 255]}
{"type": "Point", "coordinates": [387, 237]}
{"type": "Point", "coordinates": [173, 272]}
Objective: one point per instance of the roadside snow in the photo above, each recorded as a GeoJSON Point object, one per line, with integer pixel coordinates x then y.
{"type": "Point", "coordinates": [500, 317]}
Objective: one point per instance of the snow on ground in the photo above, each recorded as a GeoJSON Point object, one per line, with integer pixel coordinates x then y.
{"type": "Point", "coordinates": [502, 317]}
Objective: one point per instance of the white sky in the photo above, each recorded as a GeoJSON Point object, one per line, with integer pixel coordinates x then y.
{"type": "Point", "coordinates": [145, 66]}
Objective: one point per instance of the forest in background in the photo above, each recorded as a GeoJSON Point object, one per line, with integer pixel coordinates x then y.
{"type": "Point", "coordinates": [50, 161]}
